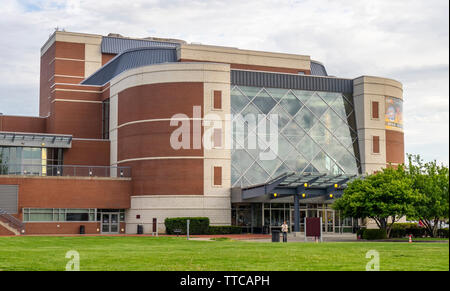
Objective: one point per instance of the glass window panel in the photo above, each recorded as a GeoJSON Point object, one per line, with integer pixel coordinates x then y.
{"type": "Point", "coordinates": [235, 174]}
{"type": "Point", "coordinates": [77, 216]}
{"type": "Point", "coordinates": [332, 120]}
{"type": "Point", "coordinates": [277, 93]}
{"type": "Point", "coordinates": [36, 153]}
{"type": "Point", "coordinates": [329, 97]}
{"type": "Point", "coordinates": [311, 169]}
{"type": "Point", "coordinates": [320, 134]}
{"type": "Point", "coordinates": [291, 104]}
{"type": "Point", "coordinates": [342, 107]}
{"type": "Point", "coordinates": [270, 165]}
{"type": "Point", "coordinates": [335, 149]}
{"type": "Point", "coordinates": [250, 92]}
{"type": "Point", "coordinates": [241, 160]}
{"type": "Point", "coordinates": [283, 116]}
{"type": "Point", "coordinates": [41, 217]}
{"type": "Point", "coordinates": [238, 100]}
{"type": "Point", "coordinates": [352, 121]}
{"type": "Point", "coordinates": [348, 163]}
{"type": "Point", "coordinates": [317, 105]}
{"type": "Point", "coordinates": [256, 174]}
{"type": "Point", "coordinates": [264, 102]}
{"type": "Point", "coordinates": [308, 148]}
{"type": "Point", "coordinates": [296, 162]}
{"type": "Point", "coordinates": [293, 132]}
{"type": "Point", "coordinates": [302, 95]}
{"type": "Point", "coordinates": [305, 119]}
{"type": "Point", "coordinates": [284, 147]}
{"type": "Point", "coordinates": [323, 163]}
{"type": "Point", "coordinates": [344, 136]}
{"type": "Point", "coordinates": [282, 169]}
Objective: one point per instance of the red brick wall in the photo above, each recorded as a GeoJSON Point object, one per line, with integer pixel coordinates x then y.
{"type": "Point", "coordinates": [395, 147]}
{"type": "Point", "coordinates": [88, 152]}
{"type": "Point", "coordinates": [4, 231]}
{"type": "Point", "coordinates": [64, 227]}
{"type": "Point", "coordinates": [68, 192]}
{"type": "Point", "coordinates": [22, 124]}
{"type": "Point", "coordinates": [152, 139]}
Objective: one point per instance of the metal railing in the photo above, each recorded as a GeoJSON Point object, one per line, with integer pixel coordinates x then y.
{"type": "Point", "coordinates": [11, 221]}
{"type": "Point", "coordinates": [65, 170]}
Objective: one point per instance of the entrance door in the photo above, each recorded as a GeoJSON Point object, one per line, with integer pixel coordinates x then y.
{"type": "Point", "coordinates": [110, 223]}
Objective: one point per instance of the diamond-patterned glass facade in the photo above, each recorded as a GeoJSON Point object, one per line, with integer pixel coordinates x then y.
{"type": "Point", "coordinates": [316, 134]}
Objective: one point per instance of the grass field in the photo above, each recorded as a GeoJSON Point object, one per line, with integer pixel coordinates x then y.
{"type": "Point", "coordinates": [164, 253]}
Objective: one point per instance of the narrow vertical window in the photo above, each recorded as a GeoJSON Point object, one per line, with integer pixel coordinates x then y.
{"type": "Point", "coordinates": [376, 144]}
{"type": "Point", "coordinates": [375, 110]}
{"type": "Point", "coordinates": [217, 102]}
{"type": "Point", "coordinates": [217, 138]}
{"type": "Point", "coordinates": [105, 119]}
{"type": "Point", "coordinates": [217, 176]}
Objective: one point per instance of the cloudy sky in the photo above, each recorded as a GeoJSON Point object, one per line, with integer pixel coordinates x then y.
{"type": "Point", "coordinates": [404, 40]}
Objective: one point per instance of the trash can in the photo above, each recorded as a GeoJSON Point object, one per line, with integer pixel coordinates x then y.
{"type": "Point", "coordinates": [275, 236]}
{"type": "Point", "coordinates": [140, 229]}
{"type": "Point", "coordinates": [82, 229]}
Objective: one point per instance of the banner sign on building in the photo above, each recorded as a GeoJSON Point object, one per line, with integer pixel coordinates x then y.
{"type": "Point", "coordinates": [394, 113]}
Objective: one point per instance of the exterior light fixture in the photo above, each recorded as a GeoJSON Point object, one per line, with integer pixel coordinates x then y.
{"type": "Point", "coordinates": [90, 172]}
{"type": "Point", "coordinates": [275, 195]}
{"type": "Point", "coordinates": [306, 185]}
{"type": "Point", "coordinates": [303, 195]}
{"type": "Point", "coordinates": [331, 195]}
{"type": "Point", "coordinates": [336, 185]}
{"type": "Point", "coordinates": [121, 173]}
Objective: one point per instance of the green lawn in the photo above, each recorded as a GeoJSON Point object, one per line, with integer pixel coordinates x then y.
{"type": "Point", "coordinates": [164, 253]}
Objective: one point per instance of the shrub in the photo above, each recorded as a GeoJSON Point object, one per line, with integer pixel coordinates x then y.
{"type": "Point", "coordinates": [197, 225]}
{"type": "Point", "coordinates": [443, 232]}
{"type": "Point", "coordinates": [400, 230]}
{"type": "Point", "coordinates": [225, 229]}
{"type": "Point", "coordinates": [405, 225]}
{"type": "Point", "coordinates": [371, 234]}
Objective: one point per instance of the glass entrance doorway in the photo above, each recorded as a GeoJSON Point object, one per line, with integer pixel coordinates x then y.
{"type": "Point", "coordinates": [110, 223]}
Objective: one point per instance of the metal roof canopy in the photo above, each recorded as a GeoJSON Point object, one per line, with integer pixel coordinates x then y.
{"type": "Point", "coordinates": [310, 184]}
{"type": "Point", "coordinates": [303, 185]}
{"type": "Point", "coordinates": [40, 140]}
{"type": "Point", "coordinates": [130, 59]}
{"type": "Point", "coordinates": [117, 45]}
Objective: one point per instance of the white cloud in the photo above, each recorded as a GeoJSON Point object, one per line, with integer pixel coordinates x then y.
{"type": "Point", "coordinates": [404, 40]}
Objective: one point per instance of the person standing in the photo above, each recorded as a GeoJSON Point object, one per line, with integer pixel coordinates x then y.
{"type": "Point", "coordinates": [284, 230]}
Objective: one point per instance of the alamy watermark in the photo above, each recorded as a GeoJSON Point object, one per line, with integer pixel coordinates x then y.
{"type": "Point", "coordinates": [74, 261]}
{"type": "Point", "coordinates": [374, 263]}
{"type": "Point", "coordinates": [252, 132]}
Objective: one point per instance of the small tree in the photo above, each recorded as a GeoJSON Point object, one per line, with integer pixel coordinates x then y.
{"type": "Point", "coordinates": [385, 197]}
{"type": "Point", "coordinates": [432, 183]}
{"type": "Point", "coordinates": [3, 168]}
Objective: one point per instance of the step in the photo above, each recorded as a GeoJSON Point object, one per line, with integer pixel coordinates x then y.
{"type": "Point", "coordinates": [6, 229]}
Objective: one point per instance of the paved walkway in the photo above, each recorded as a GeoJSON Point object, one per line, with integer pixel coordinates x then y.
{"type": "Point", "coordinates": [300, 237]}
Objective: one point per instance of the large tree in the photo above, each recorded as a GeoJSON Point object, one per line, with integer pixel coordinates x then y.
{"type": "Point", "coordinates": [385, 197]}
{"type": "Point", "coordinates": [432, 183]}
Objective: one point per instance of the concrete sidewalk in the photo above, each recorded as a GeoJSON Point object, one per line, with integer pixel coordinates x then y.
{"type": "Point", "coordinates": [327, 237]}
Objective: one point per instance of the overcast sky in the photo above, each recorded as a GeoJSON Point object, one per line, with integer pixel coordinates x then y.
{"type": "Point", "coordinates": [404, 40]}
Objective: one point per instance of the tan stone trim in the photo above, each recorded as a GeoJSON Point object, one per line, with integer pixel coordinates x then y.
{"type": "Point", "coordinates": [76, 101]}
{"type": "Point", "coordinates": [161, 158]}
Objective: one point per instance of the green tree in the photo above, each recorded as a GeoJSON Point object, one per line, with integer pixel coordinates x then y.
{"type": "Point", "coordinates": [385, 197]}
{"type": "Point", "coordinates": [432, 183]}
{"type": "Point", "coordinates": [3, 167]}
